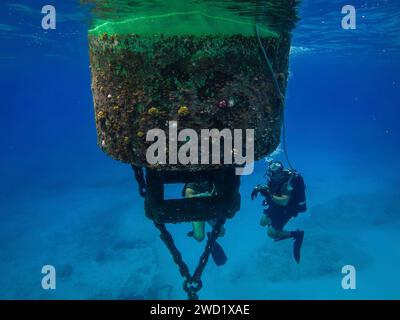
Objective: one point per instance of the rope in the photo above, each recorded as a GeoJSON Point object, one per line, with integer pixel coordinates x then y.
{"type": "Point", "coordinates": [279, 94]}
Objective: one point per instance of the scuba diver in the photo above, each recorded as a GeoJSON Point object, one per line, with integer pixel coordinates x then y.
{"type": "Point", "coordinates": [284, 198]}
{"type": "Point", "coordinates": [204, 189]}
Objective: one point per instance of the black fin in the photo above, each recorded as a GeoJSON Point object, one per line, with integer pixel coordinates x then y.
{"type": "Point", "coordinates": [298, 241]}
{"type": "Point", "coordinates": [218, 254]}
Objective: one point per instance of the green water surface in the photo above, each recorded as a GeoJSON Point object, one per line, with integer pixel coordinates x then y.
{"type": "Point", "coordinates": [188, 17]}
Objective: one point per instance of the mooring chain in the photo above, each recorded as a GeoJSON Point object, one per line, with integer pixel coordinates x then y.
{"type": "Point", "coordinates": [192, 284]}
{"type": "Point", "coordinates": [177, 257]}
{"type": "Point", "coordinates": [208, 249]}
{"type": "Point", "coordinates": [139, 176]}
{"type": "Point", "coordinates": [166, 237]}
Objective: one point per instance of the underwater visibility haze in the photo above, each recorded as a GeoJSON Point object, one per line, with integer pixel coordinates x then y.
{"type": "Point", "coordinates": [78, 100]}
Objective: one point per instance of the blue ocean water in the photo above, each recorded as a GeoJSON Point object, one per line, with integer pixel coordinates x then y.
{"type": "Point", "coordinates": [65, 203]}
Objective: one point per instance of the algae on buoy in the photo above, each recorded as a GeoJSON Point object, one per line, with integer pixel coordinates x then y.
{"type": "Point", "coordinates": [179, 53]}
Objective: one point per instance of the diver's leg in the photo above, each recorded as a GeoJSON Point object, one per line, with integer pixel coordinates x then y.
{"type": "Point", "coordinates": [278, 234]}
{"type": "Point", "coordinates": [212, 223]}
{"type": "Point", "coordinates": [275, 231]}
{"type": "Point", "coordinates": [198, 230]}
{"type": "Point", "coordinates": [275, 226]}
{"type": "Point", "coordinates": [298, 237]}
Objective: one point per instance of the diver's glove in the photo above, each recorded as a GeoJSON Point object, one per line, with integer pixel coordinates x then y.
{"type": "Point", "coordinates": [260, 189]}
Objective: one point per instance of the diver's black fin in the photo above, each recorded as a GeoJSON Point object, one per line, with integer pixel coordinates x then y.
{"type": "Point", "coordinates": [218, 254]}
{"type": "Point", "coordinates": [298, 241]}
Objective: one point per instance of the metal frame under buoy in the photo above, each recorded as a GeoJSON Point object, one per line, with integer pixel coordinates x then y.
{"type": "Point", "coordinates": [221, 207]}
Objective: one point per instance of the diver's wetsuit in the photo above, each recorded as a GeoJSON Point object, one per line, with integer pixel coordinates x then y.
{"type": "Point", "coordinates": [280, 215]}
{"type": "Point", "coordinates": [206, 187]}
{"type": "Point", "coordinates": [289, 184]}
{"type": "Point", "coordinates": [202, 188]}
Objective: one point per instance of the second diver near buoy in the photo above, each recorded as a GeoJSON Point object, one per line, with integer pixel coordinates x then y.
{"type": "Point", "coordinates": [284, 198]}
{"type": "Point", "coordinates": [198, 190]}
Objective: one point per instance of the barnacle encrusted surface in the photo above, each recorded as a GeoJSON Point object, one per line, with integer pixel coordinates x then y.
{"type": "Point", "coordinates": [140, 82]}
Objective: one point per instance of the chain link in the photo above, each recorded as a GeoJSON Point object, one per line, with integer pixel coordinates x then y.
{"type": "Point", "coordinates": [192, 284]}
{"type": "Point", "coordinates": [139, 176]}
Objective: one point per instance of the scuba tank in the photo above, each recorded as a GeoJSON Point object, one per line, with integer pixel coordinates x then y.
{"type": "Point", "coordinates": [298, 189]}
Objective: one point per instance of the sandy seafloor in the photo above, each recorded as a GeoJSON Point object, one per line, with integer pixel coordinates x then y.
{"type": "Point", "coordinates": [96, 236]}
